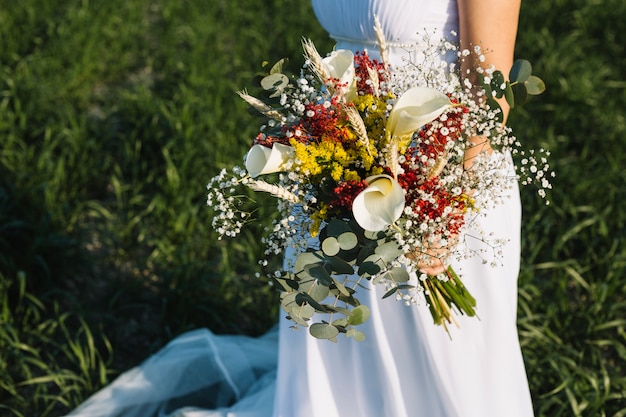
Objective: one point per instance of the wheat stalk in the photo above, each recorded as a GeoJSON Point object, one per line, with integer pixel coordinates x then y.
{"type": "Point", "coordinates": [315, 60]}
{"type": "Point", "coordinates": [259, 106]}
{"type": "Point", "coordinates": [275, 190]}
{"type": "Point", "coordinates": [392, 157]}
{"type": "Point", "coordinates": [382, 42]}
{"type": "Point", "coordinates": [355, 120]}
{"type": "Point", "coordinates": [373, 76]}
{"type": "Point", "coordinates": [440, 164]}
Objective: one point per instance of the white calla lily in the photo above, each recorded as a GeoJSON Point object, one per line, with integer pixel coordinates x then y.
{"type": "Point", "coordinates": [380, 204]}
{"type": "Point", "coordinates": [263, 160]}
{"type": "Point", "coordinates": [340, 65]}
{"type": "Point", "coordinates": [415, 108]}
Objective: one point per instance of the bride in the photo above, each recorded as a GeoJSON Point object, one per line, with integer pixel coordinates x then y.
{"type": "Point", "coordinates": [408, 367]}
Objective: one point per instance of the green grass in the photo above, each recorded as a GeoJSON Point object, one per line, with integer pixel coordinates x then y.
{"type": "Point", "coordinates": [113, 117]}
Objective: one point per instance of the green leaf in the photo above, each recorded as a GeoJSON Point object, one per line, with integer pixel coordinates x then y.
{"type": "Point", "coordinates": [330, 246]}
{"type": "Point", "coordinates": [390, 292]}
{"type": "Point", "coordinates": [303, 299]}
{"type": "Point", "coordinates": [359, 315]}
{"type": "Point", "coordinates": [347, 241]}
{"type": "Point", "coordinates": [357, 335]}
{"type": "Point", "coordinates": [497, 79]}
{"type": "Point", "coordinates": [323, 331]}
{"type": "Point", "coordinates": [494, 105]}
{"type": "Point", "coordinates": [373, 235]}
{"type": "Point", "coordinates": [508, 95]}
{"type": "Point", "coordinates": [389, 251]}
{"type": "Point", "coordinates": [397, 274]}
{"type": "Point", "coordinates": [275, 82]}
{"type": "Point", "coordinates": [342, 289]}
{"type": "Point", "coordinates": [318, 272]}
{"type": "Point", "coordinates": [368, 268]}
{"type": "Point", "coordinates": [339, 266]}
{"type": "Point", "coordinates": [520, 71]}
{"type": "Point", "coordinates": [307, 258]}
{"type": "Point", "coordinates": [535, 85]}
{"type": "Point", "coordinates": [337, 227]}
{"type": "Point", "coordinates": [279, 66]}
{"type": "Point", "coordinates": [521, 95]}
{"type": "Point", "coordinates": [315, 290]}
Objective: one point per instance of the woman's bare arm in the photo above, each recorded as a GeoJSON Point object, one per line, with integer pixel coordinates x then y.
{"type": "Point", "coordinates": [492, 25]}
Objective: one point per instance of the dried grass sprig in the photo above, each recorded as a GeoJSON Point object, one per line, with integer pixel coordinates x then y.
{"type": "Point", "coordinates": [357, 123]}
{"type": "Point", "coordinates": [260, 106]}
{"type": "Point", "coordinates": [275, 190]}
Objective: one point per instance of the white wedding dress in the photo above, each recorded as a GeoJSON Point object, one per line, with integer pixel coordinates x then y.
{"type": "Point", "coordinates": [406, 367]}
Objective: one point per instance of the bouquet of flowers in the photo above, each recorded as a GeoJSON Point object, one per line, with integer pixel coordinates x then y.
{"type": "Point", "coordinates": [368, 164]}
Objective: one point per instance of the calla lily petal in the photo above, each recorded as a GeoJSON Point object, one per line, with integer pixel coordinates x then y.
{"type": "Point", "coordinates": [340, 65]}
{"type": "Point", "coordinates": [263, 160]}
{"type": "Point", "coordinates": [380, 204]}
{"type": "Point", "coordinates": [415, 108]}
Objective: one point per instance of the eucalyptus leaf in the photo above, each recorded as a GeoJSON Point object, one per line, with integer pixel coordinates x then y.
{"type": "Point", "coordinates": [298, 320]}
{"type": "Point", "coordinates": [373, 235]}
{"type": "Point", "coordinates": [339, 266]}
{"type": "Point", "coordinates": [303, 299]}
{"type": "Point", "coordinates": [390, 292]}
{"type": "Point", "coordinates": [347, 241]}
{"type": "Point", "coordinates": [497, 80]}
{"type": "Point", "coordinates": [343, 322]}
{"type": "Point", "coordinates": [359, 315]}
{"type": "Point", "coordinates": [308, 258]}
{"type": "Point", "coordinates": [330, 246]}
{"type": "Point", "coordinates": [274, 82]}
{"type": "Point", "coordinates": [342, 289]}
{"type": "Point", "coordinates": [397, 274]}
{"type": "Point", "coordinates": [337, 227]}
{"type": "Point", "coordinates": [365, 252]}
{"type": "Point", "coordinates": [388, 251]}
{"type": "Point", "coordinates": [318, 292]}
{"type": "Point", "coordinates": [521, 95]}
{"type": "Point", "coordinates": [508, 95]}
{"type": "Point", "coordinates": [520, 71]}
{"type": "Point", "coordinates": [318, 272]}
{"type": "Point", "coordinates": [494, 105]}
{"type": "Point", "coordinates": [301, 310]}
{"type": "Point", "coordinates": [356, 335]}
{"type": "Point", "coordinates": [535, 85]}
{"type": "Point", "coordinates": [279, 66]}
{"type": "Point", "coordinates": [323, 331]}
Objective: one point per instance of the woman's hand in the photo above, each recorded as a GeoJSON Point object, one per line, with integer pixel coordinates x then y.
{"type": "Point", "coordinates": [478, 145]}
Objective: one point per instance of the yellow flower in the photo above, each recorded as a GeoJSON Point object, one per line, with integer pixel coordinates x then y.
{"type": "Point", "coordinates": [318, 217]}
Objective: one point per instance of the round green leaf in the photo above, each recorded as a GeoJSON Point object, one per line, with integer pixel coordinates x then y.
{"type": "Point", "coordinates": [330, 246]}
{"type": "Point", "coordinates": [347, 241]}
{"type": "Point", "coordinates": [535, 85]}
{"type": "Point", "coordinates": [388, 251]}
{"type": "Point", "coordinates": [319, 292]}
{"type": "Point", "coordinates": [336, 227]}
{"type": "Point", "coordinates": [307, 258]}
{"type": "Point", "coordinates": [373, 235]}
{"type": "Point", "coordinates": [340, 266]}
{"type": "Point", "coordinates": [359, 315]}
{"type": "Point", "coordinates": [520, 71]}
{"type": "Point", "coordinates": [323, 331]}
{"type": "Point", "coordinates": [397, 274]}
{"type": "Point", "coordinates": [274, 82]}
{"type": "Point", "coordinates": [318, 272]}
